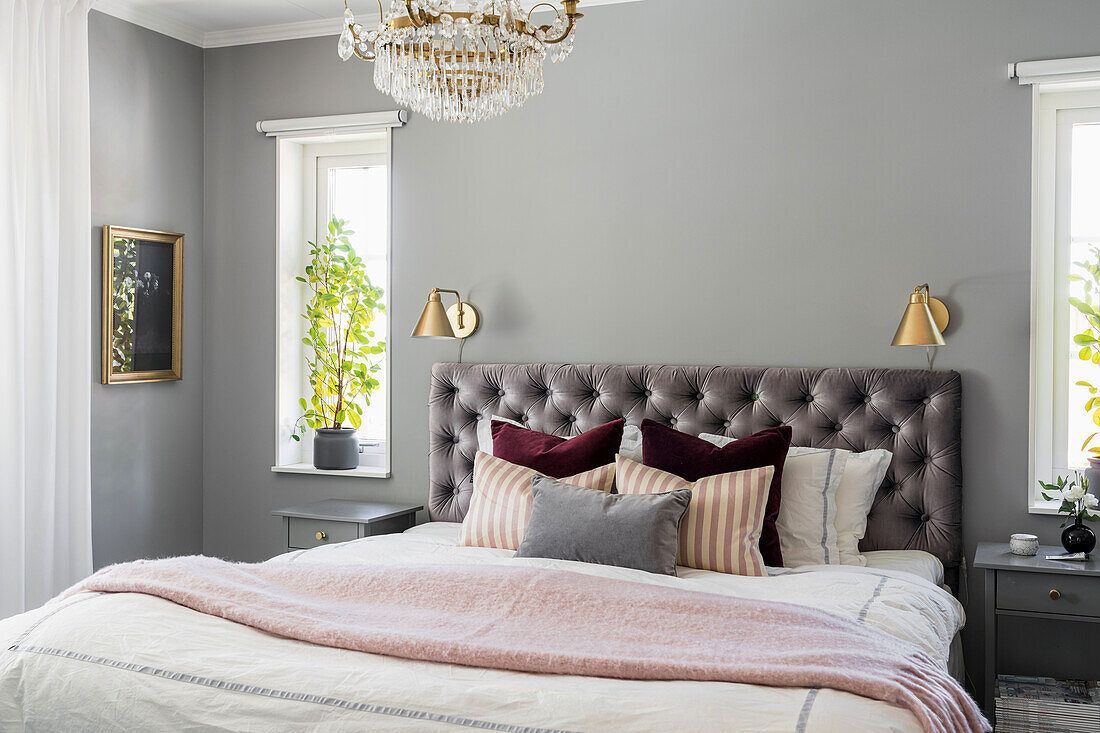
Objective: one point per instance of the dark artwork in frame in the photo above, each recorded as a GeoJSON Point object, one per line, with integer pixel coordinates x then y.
{"type": "Point", "coordinates": [142, 305]}
{"type": "Point", "coordinates": [153, 307]}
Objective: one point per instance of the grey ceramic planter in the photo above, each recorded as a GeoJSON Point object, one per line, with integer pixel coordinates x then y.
{"type": "Point", "coordinates": [1092, 473]}
{"type": "Point", "coordinates": [335, 449]}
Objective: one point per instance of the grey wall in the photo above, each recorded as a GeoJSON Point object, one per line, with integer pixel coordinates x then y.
{"type": "Point", "coordinates": [147, 171]}
{"type": "Point", "coordinates": [765, 189]}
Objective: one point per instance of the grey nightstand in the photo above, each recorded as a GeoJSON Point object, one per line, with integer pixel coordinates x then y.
{"type": "Point", "coordinates": [1033, 587]}
{"type": "Point", "coordinates": [340, 520]}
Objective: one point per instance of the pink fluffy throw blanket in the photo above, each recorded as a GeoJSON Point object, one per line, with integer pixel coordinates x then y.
{"type": "Point", "coordinates": [556, 622]}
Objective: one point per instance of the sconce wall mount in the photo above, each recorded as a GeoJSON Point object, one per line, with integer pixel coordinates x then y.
{"type": "Point", "coordinates": [924, 320]}
{"type": "Point", "coordinates": [460, 321]}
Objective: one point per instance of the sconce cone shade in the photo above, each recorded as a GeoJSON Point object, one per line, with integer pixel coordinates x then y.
{"type": "Point", "coordinates": [434, 323]}
{"type": "Point", "coordinates": [918, 327]}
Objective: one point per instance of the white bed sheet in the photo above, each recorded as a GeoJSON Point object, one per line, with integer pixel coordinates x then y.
{"type": "Point", "coordinates": [109, 661]}
{"type": "Point", "coordinates": [920, 563]}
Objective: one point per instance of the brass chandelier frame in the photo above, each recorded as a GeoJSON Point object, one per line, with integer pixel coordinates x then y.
{"type": "Point", "coordinates": [422, 18]}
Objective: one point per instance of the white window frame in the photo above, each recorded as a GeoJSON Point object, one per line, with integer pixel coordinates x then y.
{"type": "Point", "coordinates": [1057, 106]}
{"type": "Point", "coordinates": [299, 146]}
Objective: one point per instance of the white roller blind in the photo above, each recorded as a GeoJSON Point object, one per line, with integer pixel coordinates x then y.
{"type": "Point", "coordinates": [333, 124]}
{"type": "Point", "coordinates": [1085, 68]}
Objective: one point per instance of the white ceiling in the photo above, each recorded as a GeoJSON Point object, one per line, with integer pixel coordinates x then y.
{"type": "Point", "coordinates": [214, 23]}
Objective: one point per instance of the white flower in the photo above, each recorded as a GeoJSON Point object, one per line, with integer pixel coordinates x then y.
{"type": "Point", "coordinates": [1089, 501]}
{"type": "Point", "coordinates": [1074, 494]}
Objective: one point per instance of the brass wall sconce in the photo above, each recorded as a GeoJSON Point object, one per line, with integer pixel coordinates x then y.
{"type": "Point", "coordinates": [459, 321]}
{"type": "Point", "coordinates": [923, 322]}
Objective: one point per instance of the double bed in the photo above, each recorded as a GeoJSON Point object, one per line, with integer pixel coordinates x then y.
{"type": "Point", "coordinates": [98, 661]}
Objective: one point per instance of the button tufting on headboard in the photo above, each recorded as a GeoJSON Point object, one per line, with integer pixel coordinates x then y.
{"type": "Point", "coordinates": [914, 414]}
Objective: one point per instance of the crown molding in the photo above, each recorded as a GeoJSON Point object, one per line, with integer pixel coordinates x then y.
{"type": "Point", "coordinates": [138, 14]}
{"type": "Point", "coordinates": [135, 12]}
{"type": "Point", "coordinates": [269, 33]}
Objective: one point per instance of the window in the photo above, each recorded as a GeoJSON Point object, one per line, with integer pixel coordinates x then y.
{"type": "Point", "coordinates": [355, 188]}
{"type": "Point", "coordinates": [1066, 224]}
{"type": "Point", "coordinates": [321, 176]}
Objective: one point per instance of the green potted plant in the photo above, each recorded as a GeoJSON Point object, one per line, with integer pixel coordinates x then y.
{"type": "Point", "coordinates": [344, 354]}
{"type": "Point", "coordinates": [1079, 505]}
{"type": "Point", "coordinates": [1089, 344]}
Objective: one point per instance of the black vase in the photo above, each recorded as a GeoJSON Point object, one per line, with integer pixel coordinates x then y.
{"type": "Point", "coordinates": [1079, 538]}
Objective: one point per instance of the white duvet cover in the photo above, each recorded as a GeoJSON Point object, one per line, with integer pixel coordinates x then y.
{"type": "Point", "coordinates": [139, 663]}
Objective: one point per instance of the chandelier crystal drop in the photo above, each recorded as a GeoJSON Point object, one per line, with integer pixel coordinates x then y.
{"type": "Point", "coordinates": [460, 61]}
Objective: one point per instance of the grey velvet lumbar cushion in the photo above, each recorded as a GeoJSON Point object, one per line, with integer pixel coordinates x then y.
{"type": "Point", "coordinates": [630, 531]}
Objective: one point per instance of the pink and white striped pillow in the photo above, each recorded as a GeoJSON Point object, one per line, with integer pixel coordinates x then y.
{"type": "Point", "coordinates": [721, 529]}
{"type": "Point", "coordinates": [501, 505]}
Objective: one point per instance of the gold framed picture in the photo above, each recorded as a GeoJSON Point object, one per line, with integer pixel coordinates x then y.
{"type": "Point", "coordinates": [142, 305]}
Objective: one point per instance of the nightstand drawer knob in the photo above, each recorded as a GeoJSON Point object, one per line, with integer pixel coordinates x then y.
{"type": "Point", "coordinates": [322, 536]}
{"type": "Point", "coordinates": [1055, 594]}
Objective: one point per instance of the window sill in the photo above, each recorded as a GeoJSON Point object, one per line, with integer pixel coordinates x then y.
{"type": "Point", "coordinates": [307, 468]}
{"type": "Point", "coordinates": [1044, 507]}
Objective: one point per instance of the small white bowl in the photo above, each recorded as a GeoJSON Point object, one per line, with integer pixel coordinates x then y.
{"type": "Point", "coordinates": [1023, 544]}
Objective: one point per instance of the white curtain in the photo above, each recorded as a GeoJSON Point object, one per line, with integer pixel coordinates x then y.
{"type": "Point", "coordinates": [45, 300]}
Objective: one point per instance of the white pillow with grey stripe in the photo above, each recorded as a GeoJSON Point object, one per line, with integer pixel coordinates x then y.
{"type": "Point", "coordinates": [807, 512]}
{"type": "Point", "coordinates": [630, 447]}
{"type": "Point", "coordinates": [863, 474]}
{"type": "Point", "coordinates": [485, 432]}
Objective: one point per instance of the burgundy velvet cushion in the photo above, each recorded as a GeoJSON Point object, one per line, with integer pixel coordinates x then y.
{"type": "Point", "coordinates": [557, 457]}
{"type": "Point", "coordinates": [692, 458]}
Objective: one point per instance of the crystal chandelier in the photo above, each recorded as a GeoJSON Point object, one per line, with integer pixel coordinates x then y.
{"type": "Point", "coordinates": [460, 61]}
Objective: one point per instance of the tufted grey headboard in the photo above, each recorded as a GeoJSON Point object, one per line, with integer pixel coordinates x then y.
{"type": "Point", "coordinates": [914, 414]}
